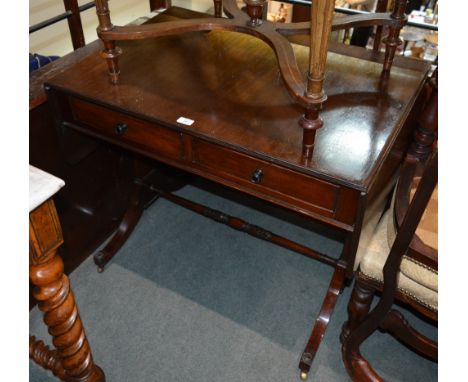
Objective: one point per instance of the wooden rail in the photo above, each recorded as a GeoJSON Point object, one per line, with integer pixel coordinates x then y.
{"type": "Point", "coordinates": [73, 15]}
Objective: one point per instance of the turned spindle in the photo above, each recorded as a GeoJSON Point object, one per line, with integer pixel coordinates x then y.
{"type": "Point", "coordinates": [426, 127]}
{"type": "Point", "coordinates": [71, 359]}
{"type": "Point", "coordinates": [111, 52]}
{"type": "Point", "coordinates": [45, 357]}
{"type": "Point", "coordinates": [393, 40]}
{"type": "Point", "coordinates": [255, 12]}
{"type": "Point", "coordinates": [320, 29]}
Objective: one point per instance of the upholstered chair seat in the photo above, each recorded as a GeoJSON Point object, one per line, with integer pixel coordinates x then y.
{"type": "Point", "coordinates": [416, 280]}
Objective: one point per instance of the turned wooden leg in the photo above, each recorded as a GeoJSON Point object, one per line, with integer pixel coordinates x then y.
{"type": "Point", "coordinates": [358, 307]}
{"type": "Point", "coordinates": [426, 128]}
{"type": "Point", "coordinates": [72, 360]}
{"type": "Point", "coordinates": [321, 323]}
{"type": "Point", "coordinates": [392, 41]}
{"type": "Point", "coordinates": [111, 52]}
{"type": "Point", "coordinates": [310, 123]}
{"type": "Point", "coordinates": [45, 357]}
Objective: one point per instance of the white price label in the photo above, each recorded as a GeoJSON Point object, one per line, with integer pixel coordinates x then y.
{"type": "Point", "coordinates": [185, 121]}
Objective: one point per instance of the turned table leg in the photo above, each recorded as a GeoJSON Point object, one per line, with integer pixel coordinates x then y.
{"type": "Point", "coordinates": [71, 360]}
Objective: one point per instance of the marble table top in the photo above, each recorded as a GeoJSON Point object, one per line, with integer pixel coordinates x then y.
{"type": "Point", "coordinates": [42, 186]}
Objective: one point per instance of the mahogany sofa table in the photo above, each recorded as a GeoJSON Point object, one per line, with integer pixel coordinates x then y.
{"type": "Point", "coordinates": [245, 133]}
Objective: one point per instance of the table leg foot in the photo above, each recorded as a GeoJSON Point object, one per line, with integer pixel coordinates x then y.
{"type": "Point", "coordinates": [304, 376]}
{"type": "Point", "coordinates": [127, 225]}
{"type": "Point", "coordinates": [321, 323]}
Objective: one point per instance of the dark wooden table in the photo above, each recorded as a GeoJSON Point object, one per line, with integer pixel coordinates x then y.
{"type": "Point", "coordinates": [245, 133]}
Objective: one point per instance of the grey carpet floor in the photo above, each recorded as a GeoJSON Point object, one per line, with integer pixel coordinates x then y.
{"type": "Point", "coordinates": [188, 299]}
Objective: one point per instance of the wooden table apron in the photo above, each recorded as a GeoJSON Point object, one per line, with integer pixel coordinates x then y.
{"type": "Point", "coordinates": [245, 133]}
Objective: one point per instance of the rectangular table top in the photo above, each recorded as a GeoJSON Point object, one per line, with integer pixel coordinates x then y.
{"type": "Point", "coordinates": [229, 84]}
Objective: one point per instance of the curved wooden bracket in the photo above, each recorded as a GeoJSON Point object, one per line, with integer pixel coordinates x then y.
{"type": "Point", "coordinates": [396, 324]}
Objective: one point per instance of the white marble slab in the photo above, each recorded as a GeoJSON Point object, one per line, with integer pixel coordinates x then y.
{"type": "Point", "coordinates": [42, 186]}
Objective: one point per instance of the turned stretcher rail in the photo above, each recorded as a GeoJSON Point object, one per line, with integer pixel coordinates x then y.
{"type": "Point", "coordinates": [243, 226]}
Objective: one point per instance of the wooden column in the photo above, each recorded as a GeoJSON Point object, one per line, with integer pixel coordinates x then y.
{"type": "Point", "coordinates": [358, 307]}
{"type": "Point", "coordinates": [393, 40]}
{"type": "Point", "coordinates": [218, 8]}
{"type": "Point", "coordinates": [427, 125]}
{"type": "Point", "coordinates": [71, 360]}
{"type": "Point", "coordinates": [111, 52]}
{"type": "Point", "coordinates": [320, 29]}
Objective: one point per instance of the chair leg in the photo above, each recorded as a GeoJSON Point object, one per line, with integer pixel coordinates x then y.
{"type": "Point", "coordinates": [358, 309]}
{"type": "Point", "coordinates": [396, 324]}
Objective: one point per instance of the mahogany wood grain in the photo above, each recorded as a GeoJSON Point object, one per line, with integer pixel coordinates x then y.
{"type": "Point", "coordinates": [53, 291]}
{"type": "Point", "coordinates": [309, 95]}
{"type": "Point", "coordinates": [247, 112]}
{"type": "Point", "coordinates": [245, 121]}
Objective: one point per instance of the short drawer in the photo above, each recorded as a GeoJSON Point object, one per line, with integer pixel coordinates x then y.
{"type": "Point", "coordinates": [120, 127]}
{"type": "Point", "coordinates": [291, 187]}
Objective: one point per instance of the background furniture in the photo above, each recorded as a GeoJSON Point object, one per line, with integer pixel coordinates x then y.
{"type": "Point", "coordinates": [71, 360]}
{"type": "Point", "coordinates": [409, 273]}
{"type": "Point", "coordinates": [98, 176]}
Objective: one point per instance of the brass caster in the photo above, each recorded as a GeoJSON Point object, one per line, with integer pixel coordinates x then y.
{"type": "Point", "coordinates": [304, 375]}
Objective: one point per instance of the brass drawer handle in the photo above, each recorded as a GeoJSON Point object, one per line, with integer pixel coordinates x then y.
{"type": "Point", "coordinates": [121, 128]}
{"type": "Point", "coordinates": [256, 176]}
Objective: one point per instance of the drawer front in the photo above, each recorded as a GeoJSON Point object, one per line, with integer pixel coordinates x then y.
{"type": "Point", "coordinates": [123, 128]}
{"type": "Point", "coordinates": [293, 188]}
